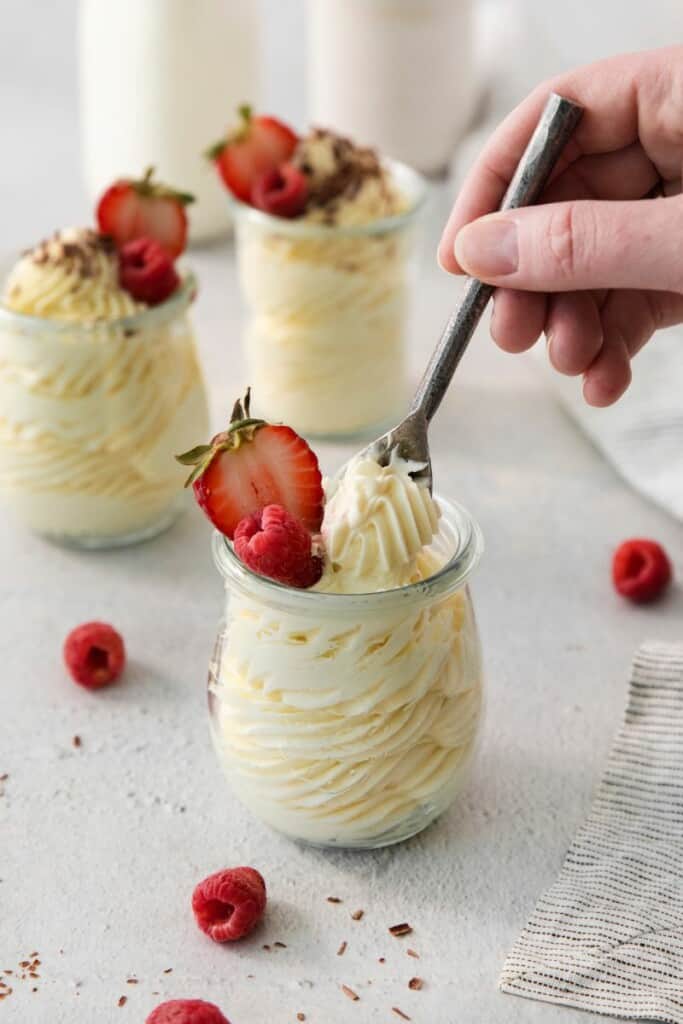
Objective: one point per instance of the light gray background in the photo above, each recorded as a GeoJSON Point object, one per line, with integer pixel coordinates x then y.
{"type": "Point", "coordinates": [100, 847]}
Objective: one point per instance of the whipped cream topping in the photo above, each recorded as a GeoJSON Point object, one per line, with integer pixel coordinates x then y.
{"type": "Point", "coordinates": [347, 183]}
{"type": "Point", "coordinates": [72, 276]}
{"type": "Point", "coordinates": [377, 521]}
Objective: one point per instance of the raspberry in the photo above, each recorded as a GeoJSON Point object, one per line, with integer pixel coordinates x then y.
{"type": "Point", "coordinates": [146, 271]}
{"type": "Point", "coordinates": [230, 903]}
{"type": "Point", "coordinates": [94, 654]}
{"type": "Point", "coordinates": [186, 1011]}
{"type": "Point", "coordinates": [282, 192]}
{"type": "Point", "coordinates": [274, 543]}
{"type": "Point", "coordinates": [641, 570]}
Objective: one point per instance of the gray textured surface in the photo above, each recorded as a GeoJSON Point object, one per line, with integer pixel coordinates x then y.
{"type": "Point", "coordinates": [100, 847]}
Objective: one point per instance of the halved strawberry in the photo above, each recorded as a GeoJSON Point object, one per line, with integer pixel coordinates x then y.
{"type": "Point", "coordinates": [259, 144]}
{"type": "Point", "coordinates": [143, 208]}
{"type": "Point", "coordinates": [251, 465]}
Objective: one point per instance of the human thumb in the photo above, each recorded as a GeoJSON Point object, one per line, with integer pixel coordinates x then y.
{"type": "Point", "coordinates": [575, 245]}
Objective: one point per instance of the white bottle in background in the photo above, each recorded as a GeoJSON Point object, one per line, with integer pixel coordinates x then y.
{"type": "Point", "coordinates": [160, 81]}
{"type": "Point", "coordinates": [395, 74]}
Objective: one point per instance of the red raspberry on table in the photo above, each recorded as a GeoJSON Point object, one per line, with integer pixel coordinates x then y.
{"type": "Point", "coordinates": [641, 570]}
{"type": "Point", "coordinates": [230, 903]}
{"type": "Point", "coordinates": [275, 544]}
{"type": "Point", "coordinates": [186, 1011]}
{"type": "Point", "coordinates": [94, 654]}
{"type": "Point", "coordinates": [146, 271]}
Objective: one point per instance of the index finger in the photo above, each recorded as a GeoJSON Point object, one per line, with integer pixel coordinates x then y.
{"type": "Point", "coordinates": [608, 90]}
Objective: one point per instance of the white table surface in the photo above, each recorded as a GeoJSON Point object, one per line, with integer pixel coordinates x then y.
{"type": "Point", "coordinates": [101, 846]}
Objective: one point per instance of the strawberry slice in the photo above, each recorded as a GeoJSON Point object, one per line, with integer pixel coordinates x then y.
{"type": "Point", "coordinates": [258, 145]}
{"type": "Point", "coordinates": [143, 208]}
{"type": "Point", "coordinates": [251, 465]}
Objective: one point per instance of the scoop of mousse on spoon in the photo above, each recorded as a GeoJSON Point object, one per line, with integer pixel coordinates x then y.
{"type": "Point", "coordinates": [409, 439]}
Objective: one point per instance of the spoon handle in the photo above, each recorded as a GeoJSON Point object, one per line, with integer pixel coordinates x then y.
{"type": "Point", "coordinates": [557, 123]}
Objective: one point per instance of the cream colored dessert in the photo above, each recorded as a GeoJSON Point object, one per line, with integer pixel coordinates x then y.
{"type": "Point", "coordinates": [354, 725]}
{"type": "Point", "coordinates": [329, 309]}
{"type": "Point", "coordinates": [92, 409]}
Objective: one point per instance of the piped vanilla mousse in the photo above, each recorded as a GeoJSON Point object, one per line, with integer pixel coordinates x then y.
{"type": "Point", "coordinates": [346, 687]}
{"type": "Point", "coordinates": [326, 252]}
{"type": "Point", "coordinates": [99, 380]}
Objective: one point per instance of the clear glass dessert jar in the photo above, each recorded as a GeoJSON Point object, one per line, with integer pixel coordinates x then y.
{"type": "Point", "coordinates": [328, 314]}
{"type": "Point", "coordinates": [91, 416]}
{"type": "Point", "coordinates": [349, 720]}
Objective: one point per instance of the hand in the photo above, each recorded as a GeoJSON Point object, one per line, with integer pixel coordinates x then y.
{"type": "Point", "coordinates": [598, 266]}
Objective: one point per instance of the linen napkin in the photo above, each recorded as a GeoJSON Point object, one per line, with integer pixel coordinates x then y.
{"type": "Point", "coordinates": [642, 435]}
{"type": "Point", "coordinates": [608, 935]}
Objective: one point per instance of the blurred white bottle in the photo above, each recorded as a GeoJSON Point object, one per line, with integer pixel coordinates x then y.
{"type": "Point", "coordinates": [395, 74]}
{"type": "Point", "coordinates": [160, 80]}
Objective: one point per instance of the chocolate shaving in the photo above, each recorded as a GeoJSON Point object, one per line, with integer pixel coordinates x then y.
{"type": "Point", "coordinates": [333, 899]}
{"type": "Point", "coordinates": [122, 1000]}
{"type": "Point", "coordinates": [131, 981]}
{"type": "Point", "coordinates": [168, 970]}
{"type": "Point", "coordinates": [77, 741]}
{"type": "Point", "coordinates": [342, 949]}
{"type": "Point", "coordinates": [301, 1016]}
{"type": "Point", "coordinates": [357, 915]}
{"type": "Point", "coordinates": [353, 165]}
{"type": "Point", "coordinates": [400, 929]}
{"type": "Point", "coordinates": [400, 1013]}
{"type": "Point", "coordinates": [350, 993]}
{"type": "Point", "coordinates": [382, 960]}
{"type": "Point", "coordinates": [416, 984]}
{"type": "Point", "coordinates": [411, 952]}
{"type": "Point", "coordinates": [280, 945]}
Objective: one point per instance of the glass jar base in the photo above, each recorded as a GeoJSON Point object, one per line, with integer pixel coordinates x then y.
{"type": "Point", "coordinates": [418, 822]}
{"type": "Point", "coordinates": [358, 435]}
{"type": "Point", "coordinates": [100, 542]}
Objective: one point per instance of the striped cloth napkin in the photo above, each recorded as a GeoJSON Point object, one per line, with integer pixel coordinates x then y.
{"type": "Point", "coordinates": [608, 935]}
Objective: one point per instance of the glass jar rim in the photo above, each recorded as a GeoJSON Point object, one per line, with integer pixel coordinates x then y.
{"type": "Point", "coordinates": [414, 184]}
{"type": "Point", "coordinates": [167, 310]}
{"type": "Point", "coordinates": [452, 576]}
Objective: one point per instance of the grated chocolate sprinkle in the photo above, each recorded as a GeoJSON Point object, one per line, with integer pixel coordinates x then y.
{"type": "Point", "coordinates": [350, 993]}
{"type": "Point", "coordinates": [400, 929]}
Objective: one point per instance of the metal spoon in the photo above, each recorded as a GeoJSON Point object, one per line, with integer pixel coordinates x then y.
{"type": "Point", "coordinates": [409, 439]}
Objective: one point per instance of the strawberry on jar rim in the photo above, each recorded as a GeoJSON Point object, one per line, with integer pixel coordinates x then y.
{"type": "Point", "coordinates": [251, 465]}
{"type": "Point", "coordinates": [259, 144]}
{"type": "Point", "coordinates": [144, 208]}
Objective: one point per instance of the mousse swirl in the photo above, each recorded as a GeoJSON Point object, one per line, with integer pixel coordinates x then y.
{"type": "Point", "coordinates": [72, 276]}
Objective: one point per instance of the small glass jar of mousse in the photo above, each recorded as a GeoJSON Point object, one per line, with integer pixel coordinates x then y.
{"type": "Point", "coordinates": [328, 314]}
{"type": "Point", "coordinates": [91, 416]}
{"type": "Point", "coordinates": [350, 720]}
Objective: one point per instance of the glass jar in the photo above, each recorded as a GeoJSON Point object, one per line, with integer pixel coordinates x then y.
{"type": "Point", "coordinates": [159, 80]}
{"type": "Point", "coordinates": [328, 313]}
{"type": "Point", "coordinates": [91, 416]}
{"type": "Point", "coordinates": [349, 720]}
{"type": "Point", "coordinates": [399, 75]}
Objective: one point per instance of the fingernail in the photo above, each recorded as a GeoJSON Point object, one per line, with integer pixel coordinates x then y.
{"type": "Point", "coordinates": [488, 247]}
